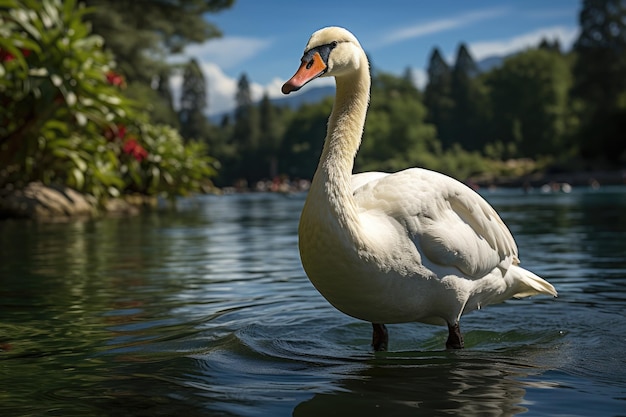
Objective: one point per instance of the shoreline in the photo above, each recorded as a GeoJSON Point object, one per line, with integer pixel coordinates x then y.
{"type": "Point", "coordinates": [595, 178]}
{"type": "Point", "coordinates": [40, 202]}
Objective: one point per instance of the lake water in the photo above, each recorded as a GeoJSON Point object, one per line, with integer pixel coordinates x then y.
{"type": "Point", "coordinates": [205, 310]}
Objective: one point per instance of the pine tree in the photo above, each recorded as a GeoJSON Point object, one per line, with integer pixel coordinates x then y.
{"type": "Point", "coordinates": [554, 46]}
{"type": "Point", "coordinates": [437, 96]}
{"type": "Point", "coordinates": [468, 99]}
{"type": "Point", "coordinates": [464, 66]}
{"type": "Point", "coordinates": [408, 76]}
{"type": "Point", "coordinates": [270, 134]}
{"type": "Point", "coordinates": [600, 80]}
{"type": "Point", "coordinates": [193, 103]}
{"type": "Point", "coordinates": [246, 131]}
{"type": "Point", "coordinates": [166, 112]}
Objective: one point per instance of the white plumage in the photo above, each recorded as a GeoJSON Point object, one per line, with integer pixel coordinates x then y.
{"type": "Point", "coordinates": [414, 245]}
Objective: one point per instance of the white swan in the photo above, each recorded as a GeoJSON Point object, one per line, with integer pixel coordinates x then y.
{"type": "Point", "coordinates": [415, 245]}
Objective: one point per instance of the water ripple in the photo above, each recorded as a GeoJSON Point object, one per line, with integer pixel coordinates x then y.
{"type": "Point", "coordinates": [206, 310]}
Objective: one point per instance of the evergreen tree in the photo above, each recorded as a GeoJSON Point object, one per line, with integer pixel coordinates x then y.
{"type": "Point", "coordinates": [464, 66]}
{"type": "Point", "coordinates": [163, 87]}
{"type": "Point", "coordinates": [437, 96]}
{"type": "Point", "coordinates": [408, 76]}
{"type": "Point", "coordinates": [270, 134]}
{"type": "Point", "coordinates": [246, 130]}
{"type": "Point", "coordinates": [554, 46]}
{"type": "Point", "coordinates": [469, 102]}
{"type": "Point", "coordinates": [193, 102]}
{"type": "Point", "coordinates": [600, 80]}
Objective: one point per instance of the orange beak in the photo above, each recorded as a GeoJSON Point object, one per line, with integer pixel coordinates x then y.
{"type": "Point", "coordinates": [308, 71]}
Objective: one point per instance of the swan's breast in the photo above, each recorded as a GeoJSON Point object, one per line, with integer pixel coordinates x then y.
{"type": "Point", "coordinates": [375, 276]}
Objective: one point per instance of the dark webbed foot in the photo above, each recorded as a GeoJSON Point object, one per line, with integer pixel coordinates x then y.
{"type": "Point", "coordinates": [380, 337]}
{"type": "Point", "coordinates": [455, 338]}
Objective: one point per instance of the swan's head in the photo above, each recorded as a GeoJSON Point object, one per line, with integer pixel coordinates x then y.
{"type": "Point", "coordinates": [330, 52]}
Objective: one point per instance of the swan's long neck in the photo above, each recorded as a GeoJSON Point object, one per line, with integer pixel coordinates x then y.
{"type": "Point", "coordinates": [343, 138]}
{"type": "Point", "coordinates": [345, 125]}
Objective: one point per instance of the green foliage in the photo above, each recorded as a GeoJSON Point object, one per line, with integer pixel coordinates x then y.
{"type": "Point", "coordinates": [56, 98]}
{"type": "Point", "coordinates": [171, 166]}
{"type": "Point", "coordinates": [246, 133]}
{"type": "Point", "coordinates": [529, 96]}
{"type": "Point", "coordinates": [470, 113]}
{"type": "Point", "coordinates": [599, 79]}
{"type": "Point", "coordinates": [193, 102]}
{"type": "Point", "coordinates": [271, 132]}
{"type": "Point", "coordinates": [156, 102]}
{"type": "Point", "coordinates": [65, 119]}
{"type": "Point", "coordinates": [138, 32]}
{"type": "Point", "coordinates": [395, 129]}
{"type": "Point", "coordinates": [438, 98]}
{"type": "Point", "coordinates": [304, 138]}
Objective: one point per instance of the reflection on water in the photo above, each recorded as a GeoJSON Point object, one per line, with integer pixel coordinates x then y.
{"type": "Point", "coordinates": [205, 310]}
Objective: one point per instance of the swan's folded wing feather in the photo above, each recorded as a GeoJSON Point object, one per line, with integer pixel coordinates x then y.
{"type": "Point", "coordinates": [363, 178]}
{"type": "Point", "coordinates": [451, 225]}
{"type": "Point", "coordinates": [465, 232]}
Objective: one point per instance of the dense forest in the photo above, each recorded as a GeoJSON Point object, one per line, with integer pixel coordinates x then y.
{"type": "Point", "coordinates": [543, 109]}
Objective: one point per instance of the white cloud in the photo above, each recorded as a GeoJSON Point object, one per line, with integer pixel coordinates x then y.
{"type": "Point", "coordinates": [420, 77]}
{"type": "Point", "coordinates": [484, 49]}
{"type": "Point", "coordinates": [227, 52]}
{"type": "Point", "coordinates": [221, 89]}
{"type": "Point", "coordinates": [436, 26]}
{"type": "Point", "coordinates": [213, 56]}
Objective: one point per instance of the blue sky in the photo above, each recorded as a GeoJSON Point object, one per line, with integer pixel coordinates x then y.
{"type": "Point", "coordinates": [265, 39]}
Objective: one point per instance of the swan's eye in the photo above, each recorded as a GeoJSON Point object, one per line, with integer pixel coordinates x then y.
{"type": "Point", "coordinates": [333, 44]}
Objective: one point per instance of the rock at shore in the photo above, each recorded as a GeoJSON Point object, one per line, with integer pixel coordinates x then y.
{"type": "Point", "coordinates": [42, 202]}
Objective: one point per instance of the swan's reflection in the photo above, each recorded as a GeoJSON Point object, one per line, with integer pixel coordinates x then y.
{"type": "Point", "coordinates": [462, 384]}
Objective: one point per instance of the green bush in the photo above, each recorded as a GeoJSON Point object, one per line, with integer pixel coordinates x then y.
{"type": "Point", "coordinates": [65, 119]}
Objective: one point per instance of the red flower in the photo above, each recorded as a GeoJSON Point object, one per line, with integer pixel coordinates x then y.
{"type": "Point", "coordinates": [6, 56]}
{"type": "Point", "coordinates": [134, 149]}
{"type": "Point", "coordinates": [116, 132]}
{"type": "Point", "coordinates": [121, 131]}
{"type": "Point", "coordinates": [115, 79]}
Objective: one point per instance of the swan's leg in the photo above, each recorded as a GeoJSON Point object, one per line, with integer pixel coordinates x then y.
{"type": "Point", "coordinates": [380, 337]}
{"type": "Point", "coordinates": [455, 338]}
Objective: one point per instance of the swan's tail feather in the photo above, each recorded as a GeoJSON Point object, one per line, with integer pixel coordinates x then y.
{"type": "Point", "coordinates": [530, 284]}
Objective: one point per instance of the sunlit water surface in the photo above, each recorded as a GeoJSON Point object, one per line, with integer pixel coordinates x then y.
{"type": "Point", "coordinates": [205, 310]}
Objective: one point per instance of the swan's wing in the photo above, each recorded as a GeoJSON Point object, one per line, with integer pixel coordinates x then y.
{"type": "Point", "coordinates": [359, 180]}
{"type": "Point", "coordinates": [450, 224]}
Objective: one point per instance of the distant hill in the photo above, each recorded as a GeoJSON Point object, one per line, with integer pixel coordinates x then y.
{"type": "Point", "coordinates": [491, 62]}
{"type": "Point", "coordinates": [293, 101]}
{"type": "Point", "coordinates": [309, 96]}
